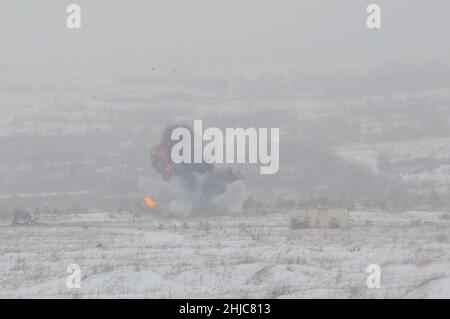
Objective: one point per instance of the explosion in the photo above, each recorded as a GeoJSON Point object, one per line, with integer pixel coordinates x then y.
{"type": "Point", "coordinates": [149, 202]}
{"type": "Point", "coordinates": [191, 188]}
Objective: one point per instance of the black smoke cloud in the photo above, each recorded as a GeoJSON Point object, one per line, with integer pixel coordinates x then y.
{"type": "Point", "coordinates": [192, 188]}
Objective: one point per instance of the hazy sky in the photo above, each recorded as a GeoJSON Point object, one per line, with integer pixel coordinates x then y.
{"type": "Point", "coordinates": [221, 34]}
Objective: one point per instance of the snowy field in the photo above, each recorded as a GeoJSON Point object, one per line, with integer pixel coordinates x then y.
{"type": "Point", "coordinates": [227, 257]}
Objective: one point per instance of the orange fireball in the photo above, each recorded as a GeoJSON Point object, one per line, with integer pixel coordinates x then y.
{"type": "Point", "coordinates": [149, 202]}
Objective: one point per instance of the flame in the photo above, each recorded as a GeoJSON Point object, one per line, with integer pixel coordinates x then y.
{"type": "Point", "coordinates": [149, 202]}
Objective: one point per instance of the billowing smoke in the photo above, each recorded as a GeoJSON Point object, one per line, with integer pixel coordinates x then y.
{"type": "Point", "coordinates": [192, 188]}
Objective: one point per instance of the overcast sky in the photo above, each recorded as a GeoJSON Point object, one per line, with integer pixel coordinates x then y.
{"type": "Point", "coordinates": [222, 34]}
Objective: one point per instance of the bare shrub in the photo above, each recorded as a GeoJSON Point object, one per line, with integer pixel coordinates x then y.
{"type": "Point", "coordinates": [356, 292]}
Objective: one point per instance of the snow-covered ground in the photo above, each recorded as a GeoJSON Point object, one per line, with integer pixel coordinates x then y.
{"type": "Point", "coordinates": [227, 257]}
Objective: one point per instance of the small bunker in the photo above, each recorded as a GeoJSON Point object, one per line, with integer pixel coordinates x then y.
{"type": "Point", "coordinates": [322, 218]}
{"type": "Point", "coordinates": [21, 217]}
